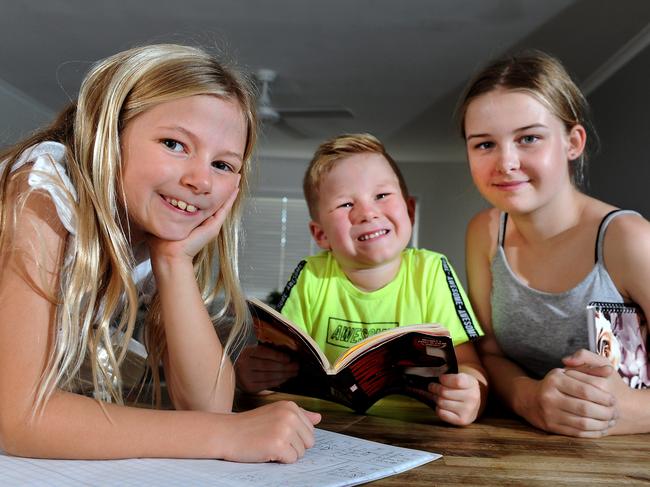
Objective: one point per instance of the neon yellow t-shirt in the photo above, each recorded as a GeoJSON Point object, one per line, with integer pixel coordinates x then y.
{"type": "Point", "coordinates": [322, 300]}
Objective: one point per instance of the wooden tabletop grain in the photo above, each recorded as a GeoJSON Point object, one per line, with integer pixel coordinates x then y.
{"type": "Point", "coordinates": [499, 449]}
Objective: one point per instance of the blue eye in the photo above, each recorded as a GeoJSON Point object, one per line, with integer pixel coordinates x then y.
{"type": "Point", "coordinates": [529, 139]}
{"type": "Point", "coordinates": [222, 166]}
{"type": "Point", "coordinates": [173, 145]}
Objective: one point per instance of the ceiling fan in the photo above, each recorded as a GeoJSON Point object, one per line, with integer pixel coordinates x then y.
{"type": "Point", "coordinates": [272, 114]}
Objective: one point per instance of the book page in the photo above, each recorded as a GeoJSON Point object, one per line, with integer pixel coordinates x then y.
{"type": "Point", "coordinates": [273, 328]}
{"type": "Point", "coordinates": [375, 340]}
{"type": "Point", "coordinates": [335, 460]}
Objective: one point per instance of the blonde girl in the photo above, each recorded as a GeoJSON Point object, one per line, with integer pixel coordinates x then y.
{"type": "Point", "coordinates": [546, 250]}
{"type": "Point", "coordinates": [131, 198]}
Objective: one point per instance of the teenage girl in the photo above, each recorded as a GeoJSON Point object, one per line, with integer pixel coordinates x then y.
{"type": "Point", "coordinates": [546, 250]}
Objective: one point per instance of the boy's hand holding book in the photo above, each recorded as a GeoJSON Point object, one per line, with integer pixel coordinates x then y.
{"type": "Point", "coordinates": [260, 367]}
{"type": "Point", "coordinates": [457, 397]}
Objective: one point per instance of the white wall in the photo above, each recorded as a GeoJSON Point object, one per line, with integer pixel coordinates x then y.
{"type": "Point", "coordinates": [447, 201]}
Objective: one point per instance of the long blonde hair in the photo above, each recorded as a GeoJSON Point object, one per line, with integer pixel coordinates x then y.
{"type": "Point", "coordinates": [96, 287]}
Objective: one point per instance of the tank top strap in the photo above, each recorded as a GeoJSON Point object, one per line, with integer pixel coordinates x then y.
{"type": "Point", "coordinates": [600, 239]}
{"type": "Point", "coordinates": [503, 219]}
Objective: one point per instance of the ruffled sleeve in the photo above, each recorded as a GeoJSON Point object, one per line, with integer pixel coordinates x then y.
{"type": "Point", "coordinates": [48, 173]}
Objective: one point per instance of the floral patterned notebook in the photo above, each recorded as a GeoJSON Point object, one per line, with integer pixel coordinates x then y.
{"type": "Point", "coordinates": [619, 332]}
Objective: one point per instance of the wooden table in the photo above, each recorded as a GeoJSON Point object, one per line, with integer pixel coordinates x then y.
{"type": "Point", "coordinates": [500, 449]}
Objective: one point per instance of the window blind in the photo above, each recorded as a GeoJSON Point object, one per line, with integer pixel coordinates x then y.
{"type": "Point", "coordinates": [275, 238]}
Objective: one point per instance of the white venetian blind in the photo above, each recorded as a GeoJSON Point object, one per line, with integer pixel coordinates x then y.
{"type": "Point", "coordinates": [275, 238]}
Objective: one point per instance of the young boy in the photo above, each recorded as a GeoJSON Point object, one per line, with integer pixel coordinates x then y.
{"type": "Point", "coordinates": [366, 280]}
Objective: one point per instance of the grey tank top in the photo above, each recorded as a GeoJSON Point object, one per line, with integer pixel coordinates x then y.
{"type": "Point", "coordinates": [536, 329]}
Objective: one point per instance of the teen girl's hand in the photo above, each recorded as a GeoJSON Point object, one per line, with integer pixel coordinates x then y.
{"type": "Point", "coordinates": [198, 238]}
{"type": "Point", "coordinates": [628, 402]}
{"type": "Point", "coordinates": [277, 432]}
{"type": "Point", "coordinates": [574, 402]}
{"type": "Point", "coordinates": [259, 367]}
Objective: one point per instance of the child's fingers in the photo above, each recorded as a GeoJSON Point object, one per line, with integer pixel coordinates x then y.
{"type": "Point", "coordinates": [581, 411]}
{"type": "Point", "coordinates": [459, 395]}
{"type": "Point", "coordinates": [459, 413]}
{"type": "Point", "coordinates": [305, 432]}
{"type": "Point", "coordinates": [267, 380]}
{"type": "Point", "coordinates": [450, 404]}
{"type": "Point", "coordinates": [449, 416]}
{"type": "Point", "coordinates": [265, 361]}
{"type": "Point", "coordinates": [299, 446]}
{"type": "Point", "coordinates": [269, 354]}
{"type": "Point", "coordinates": [302, 436]}
{"type": "Point", "coordinates": [455, 406]}
{"type": "Point", "coordinates": [588, 424]}
{"type": "Point", "coordinates": [457, 381]}
{"type": "Point", "coordinates": [603, 371]}
{"type": "Point", "coordinates": [585, 416]}
{"type": "Point", "coordinates": [314, 418]}
{"type": "Point", "coordinates": [253, 379]}
{"type": "Point", "coordinates": [215, 221]}
{"type": "Point", "coordinates": [580, 432]}
{"type": "Point", "coordinates": [209, 229]}
{"type": "Point", "coordinates": [425, 395]}
{"type": "Point", "coordinates": [433, 388]}
{"type": "Point", "coordinates": [270, 366]}
{"type": "Point", "coordinates": [585, 358]}
{"type": "Point", "coordinates": [586, 387]}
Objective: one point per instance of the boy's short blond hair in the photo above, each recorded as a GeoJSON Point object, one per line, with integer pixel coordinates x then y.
{"type": "Point", "coordinates": [333, 150]}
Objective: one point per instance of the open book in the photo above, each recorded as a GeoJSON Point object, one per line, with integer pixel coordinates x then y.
{"type": "Point", "coordinates": [403, 360]}
{"type": "Point", "coordinates": [619, 332]}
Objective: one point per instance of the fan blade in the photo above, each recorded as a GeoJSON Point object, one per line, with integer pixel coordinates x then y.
{"type": "Point", "coordinates": [324, 112]}
{"type": "Point", "coordinates": [289, 130]}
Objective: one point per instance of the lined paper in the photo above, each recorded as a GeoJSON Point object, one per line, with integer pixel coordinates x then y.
{"type": "Point", "coordinates": [335, 460]}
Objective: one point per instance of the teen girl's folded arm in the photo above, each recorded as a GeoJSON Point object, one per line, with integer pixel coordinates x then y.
{"type": "Point", "coordinates": [73, 426]}
{"type": "Point", "coordinates": [557, 403]}
{"type": "Point", "coordinates": [627, 259]}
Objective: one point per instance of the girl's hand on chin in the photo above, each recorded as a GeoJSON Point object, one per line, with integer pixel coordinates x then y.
{"type": "Point", "coordinates": [198, 238]}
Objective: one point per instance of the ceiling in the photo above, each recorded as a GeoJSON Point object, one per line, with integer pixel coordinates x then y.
{"type": "Point", "coordinates": [397, 65]}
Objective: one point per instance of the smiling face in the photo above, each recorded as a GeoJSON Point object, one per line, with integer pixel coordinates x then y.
{"type": "Point", "coordinates": [518, 150]}
{"type": "Point", "coordinates": [363, 217]}
{"type": "Point", "coordinates": [180, 162]}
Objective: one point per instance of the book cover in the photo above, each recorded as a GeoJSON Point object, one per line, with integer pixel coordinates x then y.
{"type": "Point", "coordinates": [619, 332]}
{"type": "Point", "coordinates": [403, 360]}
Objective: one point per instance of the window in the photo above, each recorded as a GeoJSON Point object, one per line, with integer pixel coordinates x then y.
{"type": "Point", "coordinates": [276, 237]}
